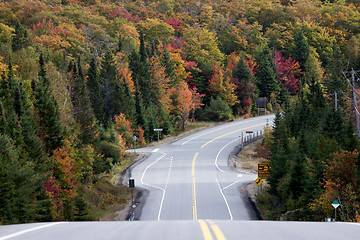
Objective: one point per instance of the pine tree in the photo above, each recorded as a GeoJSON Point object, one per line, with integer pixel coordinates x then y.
{"type": "Point", "coordinates": [83, 113]}
{"type": "Point", "coordinates": [245, 84]}
{"type": "Point", "coordinates": [140, 67]}
{"type": "Point", "coordinates": [110, 88]}
{"type": "Point", "coordinates": [46, 105]}
{"type": "Point", "coordinates": [140, 111]}
{"type": "Point", "coordinates": [94, 88]}
{"type": "Point", "coordinates": [129, 108]}
{"type": "Point", "coordinates": [266, 75]}
{"type": "Point", "coordinates": [28, 125]}
{"type": "Point", "coordinates": [81, 209]}
{"type": "Point", "coordinates": [302, 50]}
{"type": "Point", "coordinates": [17, 185]}
{"type": "Point", "coordinates": [21, 38]}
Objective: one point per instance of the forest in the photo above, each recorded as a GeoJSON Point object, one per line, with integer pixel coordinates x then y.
{"type": "Point", "coordinates": [78, 79]}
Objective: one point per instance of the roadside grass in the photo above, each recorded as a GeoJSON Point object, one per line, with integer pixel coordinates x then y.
{"type": "Point", "coordinates": [104, 199]}
{"type": "Point", "coordinates": [250, 156]}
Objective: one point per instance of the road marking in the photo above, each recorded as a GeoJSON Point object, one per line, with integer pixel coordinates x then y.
{"type": "Point", "coordinates": [29, 230]}
{"type": "Point", "coordinates": [194, 187]}
{"type": "Point", "coordinates": [205, 230]}
{"type": "Point", "coordinates": [217, 156]}
{"type": "Point", "coordinates": [217, 129]}
{"type": "Point", "coordinates": [164, 191]}
{"type": "Point", "coordinates": [222, 194]}
{"type": "Point", "coordinates": [226, 134]}
{"type": "Point", "coordinates": [155, 150]}
{"type": "Point", "coordinates": [217, 231]}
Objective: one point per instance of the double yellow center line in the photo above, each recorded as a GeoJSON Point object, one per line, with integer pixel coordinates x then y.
{"type": "Point", "coordinates": [206, 230]}
{"type": "Point", "coordinates": [203, 225]}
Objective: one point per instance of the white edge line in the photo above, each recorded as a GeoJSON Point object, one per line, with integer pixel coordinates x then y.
{"type": "Point", "coordinates": [29, 230]}
{"type": "Point", "coordinates": [227, 205]}
{"type": "Point", "coordinates": [230, 185]}
{"type": "Point", "coordinates": [141, 180]}
{"type": "Point", "coordinates": [217, 156]}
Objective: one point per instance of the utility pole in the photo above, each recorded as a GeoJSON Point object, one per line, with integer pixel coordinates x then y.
{"type": "Point", "coordinates": [336, 99]}
{"type": "Point", "coordinates": [336, 105]}
{"type": "Point", "coordinates": [352, 83]}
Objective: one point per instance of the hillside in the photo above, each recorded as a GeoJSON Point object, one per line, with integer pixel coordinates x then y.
{"type": "Point", "coordinates": [80, 78]}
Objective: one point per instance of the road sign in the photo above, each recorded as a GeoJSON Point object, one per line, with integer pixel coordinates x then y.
{"type": "Point", "coordinates": [158, 129]}
{"type": "Point", "coordinates": [134, 138]}
{"type": "Point", "coordinates": [263, 170]}
{"type": "Point", "coordinates": [335, 204]}
{"type": "Point", "coordinates": [258, 181]}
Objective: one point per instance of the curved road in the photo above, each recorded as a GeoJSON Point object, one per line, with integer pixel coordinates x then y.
{"type": "Point", "coordinates": [190, 179]}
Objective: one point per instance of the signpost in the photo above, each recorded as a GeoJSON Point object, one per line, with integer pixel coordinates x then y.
{"type": "Point", "coordinates": [132, 185]}
{"type": "Point", "coordinates": [263, 170]}
{"type": "Point", "coordinates": [158, 130]}
{"type": "Point", "coordinates": [134, 138]}
{"type": "Point", "coordinates": [335, 204]}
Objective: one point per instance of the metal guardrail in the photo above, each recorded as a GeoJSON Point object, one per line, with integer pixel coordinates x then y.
{"type": "Point", "coordinates": [249, 137]}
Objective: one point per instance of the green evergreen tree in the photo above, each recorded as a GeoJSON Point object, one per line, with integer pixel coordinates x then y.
{"type": "Point", "coordinates": [94, 88]}
{"type": "Point", "coordinates": [110, 87]}
{"type": "Point", "coordinates": [245, 88]}
{"type": "Point", "coordinates": [33, 144]}
{"type": "Point", "coordinates": [297, 170]}
{"type": "Point", "coordinates": [129, 108]}
{"type": "Point", "coordinates": [49, 119]}
{"type": "Point", "coordinates": [279, 162]}
{"type": "Point", "coordinates": [18, 184]}
{"type": "Point", "coordinates": [301, 50]}
{"type": "Point", "coordinates": [140, 67]}
{"type": "Point", "coordinates": [80, 209]}
{"type": "Point", "coordinates": [83, 113]}
{"type": "Point", "coordinates": [267, 81]}
{"type": "Point", "coordinates": [140, 111]}
{"type": "Point", "coordinates": [20, 39]}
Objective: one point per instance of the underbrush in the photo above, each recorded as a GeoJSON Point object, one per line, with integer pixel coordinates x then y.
{"type": "Point", "coordinates": [104, 198]}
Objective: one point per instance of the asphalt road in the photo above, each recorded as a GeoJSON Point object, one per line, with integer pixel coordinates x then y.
{"type": "Point", "coordinates": [190, 179]}
{"type": "Point", "coordinates": [189, 183]}
{"type": "Point", "coordinates": [179, 230]}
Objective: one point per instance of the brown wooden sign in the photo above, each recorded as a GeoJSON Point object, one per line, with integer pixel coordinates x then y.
{"type": "Point", "coordinates": [263, 170]}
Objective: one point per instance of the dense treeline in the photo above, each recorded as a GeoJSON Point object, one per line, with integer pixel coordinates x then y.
{"type": "Point", "coordinates": [80, 78]}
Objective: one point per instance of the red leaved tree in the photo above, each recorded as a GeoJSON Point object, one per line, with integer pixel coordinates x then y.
{"type": "Point", "coordinates": [288, 72]}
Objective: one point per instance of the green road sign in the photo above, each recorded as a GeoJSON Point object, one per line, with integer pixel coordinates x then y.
{"type": "Point", "coordinates": [335, 204]}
